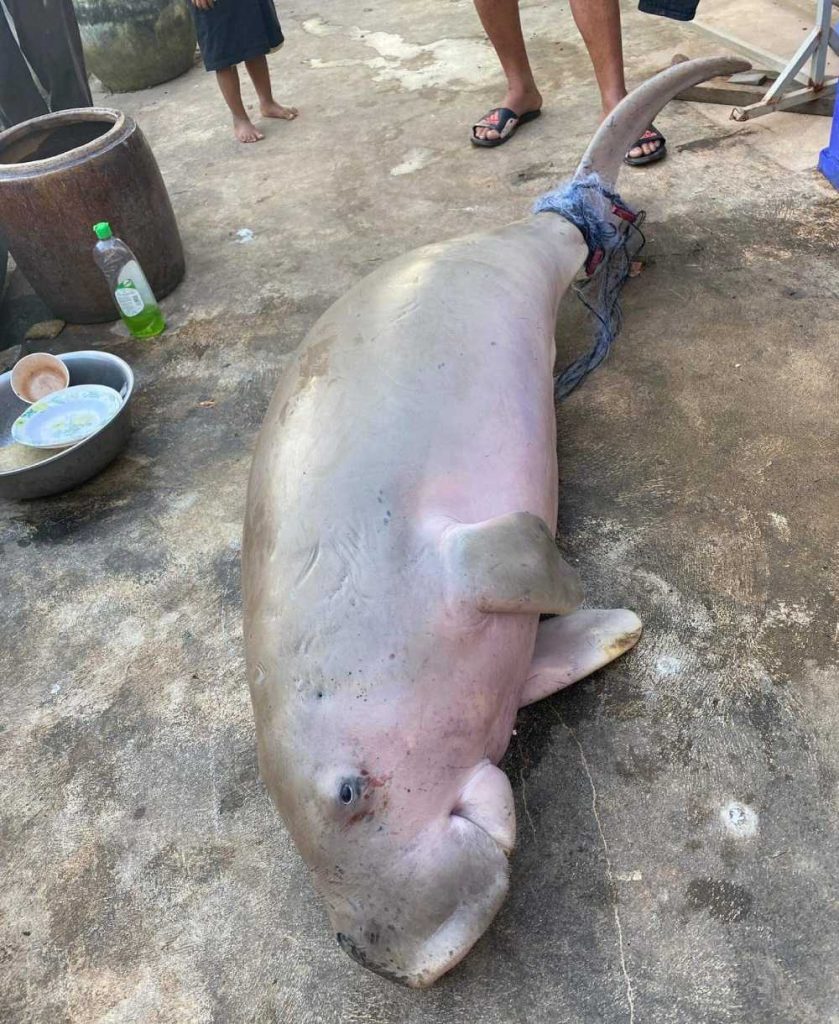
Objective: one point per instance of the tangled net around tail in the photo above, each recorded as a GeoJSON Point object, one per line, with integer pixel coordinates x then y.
{"type": "Point", "coordinates": [593, 207]}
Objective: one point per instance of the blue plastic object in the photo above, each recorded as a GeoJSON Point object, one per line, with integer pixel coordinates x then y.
{"type": "Point", "coordinates": [829, 158]}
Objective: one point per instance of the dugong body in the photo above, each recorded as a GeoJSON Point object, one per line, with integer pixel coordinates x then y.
{"type": "Point", "coordinates": [398, 553]}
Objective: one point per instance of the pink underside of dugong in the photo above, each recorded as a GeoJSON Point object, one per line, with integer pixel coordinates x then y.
{"type": "Point", "coordinates": [398, 553]}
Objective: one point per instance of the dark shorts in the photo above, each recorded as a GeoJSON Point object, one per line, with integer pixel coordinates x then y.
{"type": "Point", "coordinates": [681, 10]}
{"type": "Point", "coordinates": [232, 31]}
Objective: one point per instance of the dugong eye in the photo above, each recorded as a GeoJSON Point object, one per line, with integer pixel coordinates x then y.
{"type": "Point", "coordinates": [346, 793]}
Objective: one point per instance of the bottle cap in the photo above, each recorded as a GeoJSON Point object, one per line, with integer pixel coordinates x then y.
{"type": "Point", "coordinates": [103, 231]}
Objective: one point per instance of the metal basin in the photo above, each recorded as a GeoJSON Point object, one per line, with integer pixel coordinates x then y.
{"type": "Point", "coordinates": [72, 466]}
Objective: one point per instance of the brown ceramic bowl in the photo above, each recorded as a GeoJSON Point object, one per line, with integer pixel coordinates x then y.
{"type": "Point", "coordinates": [38, 375]}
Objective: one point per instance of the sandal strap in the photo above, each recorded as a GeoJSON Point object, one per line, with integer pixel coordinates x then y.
{"type": "Point", "coordinates": [652, 134]}
{"type": "Point", "coordinates": [499, 119]}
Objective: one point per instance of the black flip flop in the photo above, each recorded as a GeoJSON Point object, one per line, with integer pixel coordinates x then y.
{"type": "Point", "coordinates": [652, 134]}
{"type": "Point", "coordinates": [504, 121]}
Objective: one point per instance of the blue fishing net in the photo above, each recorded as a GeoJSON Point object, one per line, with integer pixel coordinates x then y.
{"type": "Point", "coordinates": [611, 230]}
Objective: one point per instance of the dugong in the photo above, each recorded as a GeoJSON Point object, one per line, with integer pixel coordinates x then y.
{"type": "Point", "coordinates": [398, 553]}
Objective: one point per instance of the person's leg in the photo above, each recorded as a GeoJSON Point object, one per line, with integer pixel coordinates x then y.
{"type": "Point", "coordinates": [261, 78]}
{"type": "Point", "coordinates": [19, 96]}
{"type": "Point", "coordinates": [243, 127]}
{"type": "Point", "coordinates": [74, 88]}
{"type": "Point", "coordinates": [502, 25]}
{"type": "Point", "coordinates": [49, 39]}
{"type": "Point", "coordinates": [599, 22]}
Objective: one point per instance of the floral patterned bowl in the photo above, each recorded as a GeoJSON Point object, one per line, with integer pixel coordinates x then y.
{"type": "Point", "coordinates": [66, 417]}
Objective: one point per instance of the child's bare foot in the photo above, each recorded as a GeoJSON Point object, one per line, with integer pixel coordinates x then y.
{"type": "Point", "coordinates": [274, 109]}
{"type": "Point", "coordinates": [246, 131]}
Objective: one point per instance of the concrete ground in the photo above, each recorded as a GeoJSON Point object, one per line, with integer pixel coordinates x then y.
{"type": "Point", "coordinates": [678, 811]}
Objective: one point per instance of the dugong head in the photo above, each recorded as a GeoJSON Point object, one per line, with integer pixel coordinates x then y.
{"type": "Point", "coordinates": [422, 907]}
{"type": "Point", "coordinates": [411, 862]}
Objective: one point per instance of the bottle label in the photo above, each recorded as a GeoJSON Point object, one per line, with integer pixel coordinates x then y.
{"type": "Point", "coordinates": [132, 291]}
{"type": "Point", "coordinates": [129, 300]}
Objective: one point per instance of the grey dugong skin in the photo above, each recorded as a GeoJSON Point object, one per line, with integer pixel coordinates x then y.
{"type": "Point", "coordinates": [396, 559]}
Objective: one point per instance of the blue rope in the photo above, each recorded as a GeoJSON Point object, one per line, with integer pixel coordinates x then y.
{"type": "Point", "coordinates": [588, 204]}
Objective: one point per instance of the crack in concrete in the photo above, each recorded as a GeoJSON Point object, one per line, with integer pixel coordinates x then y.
{"type": "Point", "coordinates": [630, 993]}
{"type": "Point", "coordinates": [524, 802]}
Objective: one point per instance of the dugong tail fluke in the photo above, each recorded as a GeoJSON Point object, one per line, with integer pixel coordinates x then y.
{"type": "Point", "coordinates": [634, 114]}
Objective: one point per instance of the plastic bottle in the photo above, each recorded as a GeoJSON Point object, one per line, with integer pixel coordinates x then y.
{"type": "Point", "coordinates": [134, 298]}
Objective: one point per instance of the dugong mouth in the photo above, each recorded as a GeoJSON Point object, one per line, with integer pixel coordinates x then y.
{"type": "Point", "coordinates": [431, 970]}
{"type": "Point", "coordinates": [360, 957]}
{"type": "Point", "coordinates": [424, 949]}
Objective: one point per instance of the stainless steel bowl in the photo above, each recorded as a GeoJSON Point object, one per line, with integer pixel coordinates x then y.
{"type": "Point", "coordinates": [72, 466]}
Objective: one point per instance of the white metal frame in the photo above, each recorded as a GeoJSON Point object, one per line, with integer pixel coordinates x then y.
{"type": "Point", "coordinates": [821, 38]}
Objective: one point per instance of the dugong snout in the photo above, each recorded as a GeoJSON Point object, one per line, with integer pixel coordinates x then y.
{"type": "Point", "coordinates": [426, 916]}
{"type": "Point", "coordinates": [362, 957]}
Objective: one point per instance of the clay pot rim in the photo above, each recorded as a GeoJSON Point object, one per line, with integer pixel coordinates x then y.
{"type": "Point", "coordinates": [75, 115]}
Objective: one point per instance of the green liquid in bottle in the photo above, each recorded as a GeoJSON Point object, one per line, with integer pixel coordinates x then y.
{"type": "Point", "coordinates": [147, 324]}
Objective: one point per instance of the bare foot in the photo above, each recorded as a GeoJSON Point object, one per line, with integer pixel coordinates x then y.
{"type": "Point", "coordinates": [645, 149]}
{"type": "Point", "coordinates": [246, 131]}
{"type": "Point", "coordinates": [520, 102]}
{"type": "Point", "coordinates": [274, 109]}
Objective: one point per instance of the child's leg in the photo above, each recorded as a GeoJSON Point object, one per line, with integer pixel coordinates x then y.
{"type": "Point", "coordinates": [261, 78]}
{"type": "Point", "coordinates": [243, 128]}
